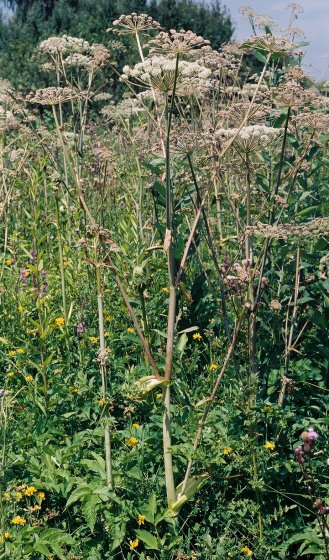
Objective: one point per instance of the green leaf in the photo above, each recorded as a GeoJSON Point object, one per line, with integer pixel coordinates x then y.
{"type": "Point", "coordinates": [78, 494]}
{"type": "Point", "coordinates": [90, 510]}
{"type": "Point", "coordinates": [149, 509]}
{"type": "Point", "coordinates": [94, 466]}
{"type": "Point", "coordinates": [58, 551]}
{"type": "Point", "coordinates": [148, 539]}
{"type": "Point", "coordinates": [183, 340]}
{"type": "Point", "coordinates": [42, 548]}
{"type": "Point", "coordinates": [259, 55]}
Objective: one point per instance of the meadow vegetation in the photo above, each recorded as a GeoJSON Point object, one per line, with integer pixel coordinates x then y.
{"type": "Point", "coordinates": [164, 298]}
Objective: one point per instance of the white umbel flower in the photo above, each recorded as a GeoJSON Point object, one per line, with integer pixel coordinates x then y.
{"type": "Point", "coordinates": [249, 137]}
{"type": "Point", "coordinates": [158, 72]}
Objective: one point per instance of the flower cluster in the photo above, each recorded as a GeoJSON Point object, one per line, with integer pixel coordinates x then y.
{"type": "Point", "coordinates": [274, 44]}
{"type": "Point", "coordinates": [275, 305]}
{"type": "Point", "coordinates": [240, 279]}
{"type": "Point", "coordinates": [63, 45]}
{"type": "Point", "coordinates": [249, 137]}
{"type": "Point", "coordinates": [7, 120]}
{"type": "Point", "coordinates": [133, 23]}
{"type": "Point", "coordinates": [51, 96]}
{"type": "Point", "coordinates": [309, 438]}
{"type": "Point", "coordinates": [173, 43]}
{"type": "Point", "coordinates": [159, 73]}
{"type": "Point", "coordinates": [313, 228]}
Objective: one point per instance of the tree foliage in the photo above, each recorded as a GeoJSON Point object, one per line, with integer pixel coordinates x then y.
{"type": "Point", "coordinates": [35, 20]}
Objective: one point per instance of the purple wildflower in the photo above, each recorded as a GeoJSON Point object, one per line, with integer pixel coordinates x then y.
{"type": "Point", "coordinates": [43, 290]}
{"type": "Point", "coordinates": [312, 435]}
{"type": "Point", "coordinates": [23, 275]}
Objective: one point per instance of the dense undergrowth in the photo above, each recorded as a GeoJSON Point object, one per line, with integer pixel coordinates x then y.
{"type": "Point", "coordinates": [164, 301]}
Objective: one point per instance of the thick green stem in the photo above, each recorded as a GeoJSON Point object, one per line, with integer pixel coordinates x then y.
{"type": "Point", "coordinates": [61, 263]}
{"type": "Point", "coordinates": [103, 370]}
{"type": "Point", "coordinates": [285, 379]}
{"type": "Point", "coordinates": [169, 247]}
{"type": "Point", "coordinates": [167, 454]}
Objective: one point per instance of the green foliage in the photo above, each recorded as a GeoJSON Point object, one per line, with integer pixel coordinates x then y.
{"type": "Point", "coordinates": [35, 20]}
{"type": "Point", "coordinates": [88, 258]}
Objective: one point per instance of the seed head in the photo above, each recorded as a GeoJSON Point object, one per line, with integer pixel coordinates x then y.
{"type": "Point", "coordinates": [133, 23]}
{"type": "Point", "coordinates": [173, 43]}
{"type": "Point", "coordinates": [64, 45]}
{"type": "Point", "coordinates": [51, 96]}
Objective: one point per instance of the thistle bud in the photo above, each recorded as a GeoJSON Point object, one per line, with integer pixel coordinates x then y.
{"type": "Point", "coordinates": [312, 435]}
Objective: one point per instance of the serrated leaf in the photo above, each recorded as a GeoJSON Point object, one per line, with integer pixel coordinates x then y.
{"type": "Point", "coordinates": [149, 509]}
{"type": "Point", "coordinates": [42, 548]}
{"type": "Point", "coordinates": [58, 551]}
{"type": "Point", "coordinates": [94, 466]}
{"type": "Point", "coordinates": [90, 510]}
{"type": "Point", "coordinates": [148, 539]}
{"type": "Point", "coordinates": [78, 494]}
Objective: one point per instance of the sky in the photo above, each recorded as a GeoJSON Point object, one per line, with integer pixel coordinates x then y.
{"type": "Point", "coordinates": [314, 21]}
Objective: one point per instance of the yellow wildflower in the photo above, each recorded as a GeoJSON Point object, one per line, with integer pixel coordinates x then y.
{"type": "Point", "coordinates": [197, 336]}
{"type": "Point", "coordinates": [7, 496]}
{"type": "Point", "coordinates": [6, 535]}
{"type": "Point", "coordinates": [227, 450]}
{"type": "Point", "coordinates": [60, 321]}
{"type": "Point", "coordinates": [20, 351]}
{"type": "Point", "coordinates": [246, 550]}
{"type": "Point", "coordinates": [19, 496]}
{"type": "Point", "coordinates": [165, 290]}
{"type": "Point", "coordinates": [106, 334]}
{"type": "Point", "coordinates": [141, 519]}
{"type": "Point", "coordinates": [101, 402]}
{"type": "Point", "coordinates": [41, 495]}
{"type": "Point", "coordinates": [136, 426]}
{"type": "Point", "coordinates": [108, 319]}
{"type": "Point", "coordinates": [93, 339]}
{"type": "Point", "coordinates": [158, 395]}
{"type": "Point", "coordinates": [74, 390]}
{"type": "Point", "coordinates": [35, 508]}
{"type": "Point", "coordinates": [10, 374]}
{"type": "Point", "coordinates": [132, 441]}
{"type": "Point", "coordinates": [269, 445]}
{"type": "Point", "coordinates": [12, 353]}
{"type": "Point", "coordinates": [28, 378]}
{"type": "Point", "coordinates": [18, 520]}
{"type": "Point", "coordinates": [9, 262]}
{"type": "Point", "coordinates": [213, 367]}
{"type": "Point", "coordinates": [30, 491]}
{"type": "Point", "coordinates": [133, 544]}
{"type": "Point", "coordinates": [131, 330]}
